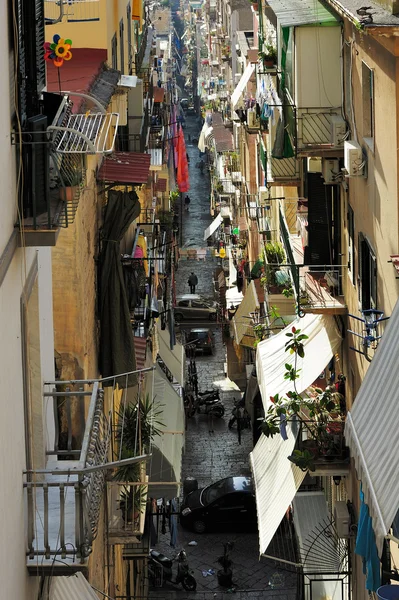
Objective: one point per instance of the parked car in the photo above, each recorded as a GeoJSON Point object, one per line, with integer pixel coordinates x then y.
{"type": "Point", "coordinates": [194, 307]}
{"type": "Point", "coordinates": [228, 504]}
{"type": "Point", "coordinates": [202, 339]}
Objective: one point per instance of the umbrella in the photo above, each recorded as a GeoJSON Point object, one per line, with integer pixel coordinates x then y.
{"type": "Point", "coordinates": [183, 182]}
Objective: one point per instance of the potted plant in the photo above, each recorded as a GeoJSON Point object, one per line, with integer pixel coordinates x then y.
{"type": "Point", "coordinates": [131, 502]}
{"type": "Point", "coordinates": [303, 459]}
{"type": "Point", "coordinates": [68, 191]}
{"type": "Point", "coordinates": [268, 56]}
{"type": "Point", "coordinates": [225, 574]}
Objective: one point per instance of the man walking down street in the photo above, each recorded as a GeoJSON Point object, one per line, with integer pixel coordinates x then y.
{"type": "Point", "coordinates": [192, 282]}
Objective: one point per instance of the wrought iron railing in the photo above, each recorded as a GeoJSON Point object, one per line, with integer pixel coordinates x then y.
{"type": "Point", "coordinates": [325, 440]}
{"type": "Point", "coordinates": [64, 500]}
{"type": "Point", "coordinates": [75, 11]}
{"type": "Point", "coordinates": [314, 126]}
{"type": "Point", "coordinates": [321, 286]}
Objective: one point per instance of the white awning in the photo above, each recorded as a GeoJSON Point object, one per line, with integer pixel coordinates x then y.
{"type": "Point", "coordinates": [276, 479]}
{"type": "Point", "coordinates": [233, 297]}
{"type": "Point", "coordinates": [74, 587]}
{"type": "Point", "coordinates": [213, 226]}
{"type": "Point", "coordinates": [171, 441]}
{"type": "Point", "coordinates": [323, 342]}
{"type": "Point", "coordinates": [242, 319]}
{"type": "Point", "coordinates": [173, 359]}
{"type": "Point", "coordinates": [206, 131]}
{"type": "Point", "coordinates": [372, 432]}
{"type": "Point", "coordinates": [242, 84]}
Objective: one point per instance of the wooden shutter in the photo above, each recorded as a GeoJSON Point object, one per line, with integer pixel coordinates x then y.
{"type": "Point", "coordinates": [20, 63]}
{"type": "Point", "coordinates": [40, 39]}
{"type": "Point", "coordinates": [319, 222]}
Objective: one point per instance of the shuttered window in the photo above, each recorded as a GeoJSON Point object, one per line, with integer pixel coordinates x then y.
{"type": "Point", "coordinates": [129, 38]}
{"type": "Point", "coordinates": [351, 243]}
{"type": "Point", "coordinates": [320, 248]}
{"type": "Point", "coordinates": [367, 277]}
{"type": "Point", "coordinates": [122, 45]}
{"type": "Point", "coordinates": [114, 52]}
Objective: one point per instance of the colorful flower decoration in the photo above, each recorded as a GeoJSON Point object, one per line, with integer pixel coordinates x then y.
{"type": "Point", "coordinates": [58, 51]}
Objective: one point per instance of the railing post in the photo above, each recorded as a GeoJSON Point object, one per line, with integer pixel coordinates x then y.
{"type": "Point", "coordinates": [31, 528]}
{"type": "Point", "coordinates": [62, 520]}
{"type": "Point", "coordinates": [78, 520]}
{"type": "Point", "coordinates": [46, 519]}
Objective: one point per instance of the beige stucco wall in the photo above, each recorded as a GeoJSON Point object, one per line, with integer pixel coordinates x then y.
{"type": "Point", "coordinates": [85, 34]}
{"type": "Point", "coordinates": [375, 203]}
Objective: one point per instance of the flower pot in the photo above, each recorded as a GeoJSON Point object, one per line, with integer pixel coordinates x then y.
{"type": "Point", "coordinates": [269, 64]}
{"type": "Point", "coordinates": [68, 193]}
{"type": "Point", "coordinates": [225, 577]}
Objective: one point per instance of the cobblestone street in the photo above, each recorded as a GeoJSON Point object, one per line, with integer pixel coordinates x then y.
{"type": "Point", "coordinates": [212, 450]}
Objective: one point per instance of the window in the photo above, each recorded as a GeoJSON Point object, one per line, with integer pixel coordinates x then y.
{"type": "Point", "coordinates": [368, 101]}
{"type": "Point", "coordinates": [129, 38]}
{"type": "Point", "coordinates": [367, 276]}
{"type": "Point", "coordinates": [183, 303]}
{"type": "Point", "coordinates": [122, 45]}
{"type": "Point", "coordinates": [351, 242]}
{"type": "Point", "coordinates": [114, 50]}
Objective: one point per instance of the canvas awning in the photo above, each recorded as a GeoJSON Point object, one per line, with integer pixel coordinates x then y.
{"type": "Point", "coordinates": [233, 297]}
{"type": "Point", "coordinates": [276, 480]}
{"type": "Point", "coordinates": [301, 13]}
{"type": "Point", "coordinates": [242, 319]}
{"type": "Point", "coordinates": [173, 359]}
{"type": "Point", "coordinates": [242, 84]}
{"type": "Point", "coordinates": [213, 226]}
{"type": "Point", "coordinates": [323, 342]}
{"type": "Point", "coordinates": [165, 464]}
{"type": "Point", "coordinates": [74, 587]}
{"type": "Point", "coordinates": [372, 432]}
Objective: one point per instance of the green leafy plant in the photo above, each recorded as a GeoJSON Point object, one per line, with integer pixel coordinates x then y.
{"type": "Point", "coordinates": [269, 54]}
{"type": "Point", "coordinates": [319, 410]}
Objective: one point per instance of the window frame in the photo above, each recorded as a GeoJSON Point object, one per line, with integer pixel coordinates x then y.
{"type": "Point", "coordinates": [368, 103]}
{"type": "Point", "coordinates": [114, 52]}
{"type": "Point", "coordinates": [351, 243]}
{"type": "Point", "coordinates": [367, 274]}
{"type": "Point", "coordinates": [129, 37]}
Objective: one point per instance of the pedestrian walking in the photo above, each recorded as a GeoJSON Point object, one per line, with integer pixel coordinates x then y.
{"type": "Point", "coordinates": [187, 202]}
{"type": "Point", "coordinates": [192, 282]}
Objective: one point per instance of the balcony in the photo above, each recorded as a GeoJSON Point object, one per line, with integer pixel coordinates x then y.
{"type": "Point", "coordinates": [316, 131]}
{"type": "Point", "coordinates": [321, 289]}
{"type": "Point", "coordinates": [126, 510]}
{"type": "Point", "coordinates": [325, 443]}
{"type": "Point", "coordinates": [92, 132]}
{"type": "Point", "coordinates": [71, 12]}
{"type": "Point", "coordinates": [64, 500]}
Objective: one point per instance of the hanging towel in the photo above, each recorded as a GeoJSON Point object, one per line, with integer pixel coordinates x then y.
{"type": "Point", "coordinates": [366, 547]}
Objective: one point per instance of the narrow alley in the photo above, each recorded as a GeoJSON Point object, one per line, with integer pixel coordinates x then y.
{"type": "Point", "coordinates": [212, 451]}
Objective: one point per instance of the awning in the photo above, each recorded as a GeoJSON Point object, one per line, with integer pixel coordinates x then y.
{"type": "Point", "coordinates": [372, 432]}
{"type": "Point", "coordinates": [276, 479]}
{"type": "Point", "coordinates": [173, 359]}
{"type": "Point", "coordinates": [125, 167]}
{"type": "Point", "coordinates": [242, 84]}
{"type": "Point", "coordinates": [213, 226]}
{"type": "Point", "coordinates": [323, 342]}
{"type": "Point", "coordinates": [166, 466]}
{"type": "Point", "coordinates": [301, 13]}
{"type": "Point", "coordinates": [233, 297]}
{"type": "Point", "coordinates": [74, 587]}
{"type": "Point", "coordinates": [242, 319]}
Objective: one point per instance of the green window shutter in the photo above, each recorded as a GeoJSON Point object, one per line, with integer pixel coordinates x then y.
{"type": "Point", "coordinates": [263, 157]}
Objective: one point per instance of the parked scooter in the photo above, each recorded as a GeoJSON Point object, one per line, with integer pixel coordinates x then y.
{"type": "Point", "coordinates": [210, 403]}
{"type": "Point", "coordinates": [160, 570]}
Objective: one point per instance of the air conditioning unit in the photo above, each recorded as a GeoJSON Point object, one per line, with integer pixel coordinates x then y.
{"type": "Point", "coordinates": [338, 130]}
{"type": "Point", "coordinates": [330, 170]}
{"type": "Point", "coordinates": [342, 519]}
{"type": "Point", "coordinates": [353, 159]}
{"type": "Point", "coordinates": [253, 120]}
{"type": "Point", "coordinates": [314, 164]}
{"type": "Point", "coordinates": [264, 196]}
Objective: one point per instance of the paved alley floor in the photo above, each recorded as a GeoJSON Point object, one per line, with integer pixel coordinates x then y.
{"type": "Point", "coordinates": [212, 450]}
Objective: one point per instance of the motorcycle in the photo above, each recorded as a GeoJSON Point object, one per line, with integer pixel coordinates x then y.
{"type": "Point", "coordinates": [239, 412]}
{"type": "Point", "coordinates": [210, 403]}
{"type": "Point", "coordinates": [160, 570]}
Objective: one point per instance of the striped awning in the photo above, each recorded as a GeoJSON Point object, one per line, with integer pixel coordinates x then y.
{"type": "Point", "coordinates": [242, 84]}
{"type": "Point", "coordinates": [140, 348]}
{"type": "Point", "coordinates": [276, 479]}
{"type": "Point", "coordinates": [243, 326]}
{"type": "Point", "coordinates": [323, 342]}
{"type": "Point", "coordinates": [74, 587]}
{"type": "Point", "coordinates": [213, 226]}
{"type": "Point", "coordinates": [372, 432]}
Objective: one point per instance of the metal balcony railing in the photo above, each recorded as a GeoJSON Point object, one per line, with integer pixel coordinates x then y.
{"type": "Point", "coordinates": [75, 11]}
{"type": "Point", "coordinates": [314, 127]}
{"type": "Point", "coordinates": [323, 440]}
{"type": "Point", "coordinates": [64, 503]}
{"type": "Point", "coordinates": [321, 287]}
